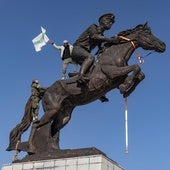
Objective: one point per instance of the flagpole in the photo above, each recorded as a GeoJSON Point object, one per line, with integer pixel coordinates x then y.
{"type": "Point", "coordinates": [126, 125]}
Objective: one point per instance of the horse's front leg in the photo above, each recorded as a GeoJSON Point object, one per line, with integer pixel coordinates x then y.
{"type": "Point", "coordinates": [137, 80]}
{"type": "Point", "coordinates": [130, 79]}
{"type": "Point", "coordinates": [114, 71]}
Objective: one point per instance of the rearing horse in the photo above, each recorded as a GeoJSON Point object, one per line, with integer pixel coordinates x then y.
{"type": "Point", "coordinates": [109, 72]}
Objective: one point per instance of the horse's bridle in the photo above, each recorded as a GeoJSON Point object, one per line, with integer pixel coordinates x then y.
{"type": "Point", "coordinates": [139, 57]}
{"type": "Point", "coordinates": [127, 39]}
{"type": "Point", "coordinates": [141, 60]}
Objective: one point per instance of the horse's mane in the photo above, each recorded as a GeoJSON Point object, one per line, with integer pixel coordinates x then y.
{"type": "Point", "coordinates": [137, 28]}
{"type": "Point", "coordinates": [140, 27]}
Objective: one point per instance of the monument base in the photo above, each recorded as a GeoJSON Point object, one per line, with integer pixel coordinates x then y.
{"type": "Point", "coordinates": [80, 159]}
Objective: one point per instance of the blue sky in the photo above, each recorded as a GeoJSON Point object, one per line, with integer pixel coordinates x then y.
{"type": "Point", "coordinates": [99, 125]}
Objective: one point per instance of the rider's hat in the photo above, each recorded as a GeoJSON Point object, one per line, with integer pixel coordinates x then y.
{"type": "Point", "coordinates": [107, 16]}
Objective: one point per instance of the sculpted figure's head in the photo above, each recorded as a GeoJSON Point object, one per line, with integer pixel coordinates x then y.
{"type": "Point", "coordinates": [106, 21]}
{"type": "Point", "coordinates": [35, 81]}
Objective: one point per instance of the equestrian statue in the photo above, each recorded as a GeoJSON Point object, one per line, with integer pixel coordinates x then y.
{"type": "Point", "coordinates": [110, 71]}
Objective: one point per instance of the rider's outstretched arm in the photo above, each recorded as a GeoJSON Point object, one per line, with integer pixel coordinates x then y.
{"type": "Point", "coordinates": [114, 39]}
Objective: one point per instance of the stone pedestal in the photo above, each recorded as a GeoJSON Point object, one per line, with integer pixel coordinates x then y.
{"type": "Point", "coordinates": [87, 162]}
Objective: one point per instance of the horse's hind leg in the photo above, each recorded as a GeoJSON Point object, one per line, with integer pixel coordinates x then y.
{"type": "Point", "coordinates": [41, 131]}
{"type": "Point", "coordinates": [47, 117]}
{"type": "Point", "coordinates": [59, 122]}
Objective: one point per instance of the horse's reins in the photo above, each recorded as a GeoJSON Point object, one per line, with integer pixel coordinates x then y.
{"type": "Point", "coordinates": [138, 56]}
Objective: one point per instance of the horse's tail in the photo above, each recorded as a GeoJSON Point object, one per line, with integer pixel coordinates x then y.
{"type": "Point", "coordinates": [15, 134]}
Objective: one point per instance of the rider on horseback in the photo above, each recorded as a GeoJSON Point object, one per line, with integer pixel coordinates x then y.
{"type": "Point", "coordinates": [88, 40]}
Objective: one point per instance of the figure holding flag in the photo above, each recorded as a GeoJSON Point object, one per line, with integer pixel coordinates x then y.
{"type": "Point", "coordinates": [66, 51]}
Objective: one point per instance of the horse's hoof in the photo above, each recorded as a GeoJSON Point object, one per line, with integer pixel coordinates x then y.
{"type": "Point", "coordinates": [126, 95]}
{"type": "Point", "coordinates": [103, 99]}
{"type": "Point", "coordinates": [9, 148]}
{"type": "Point", "coordinates": [31, 151]}
{"type": "Point", "coordinates": [55, 147]}
{"type": "Point", "coordinates": [122, 88]}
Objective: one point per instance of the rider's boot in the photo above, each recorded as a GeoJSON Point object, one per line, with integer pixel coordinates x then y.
{"type": "Point", "coordinates": [73, 74]}
{"type": "Point", "coordinates": [83, 78]}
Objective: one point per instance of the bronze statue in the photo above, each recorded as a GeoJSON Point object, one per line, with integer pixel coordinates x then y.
{"type": "Point", "coordinates": [111, 71]}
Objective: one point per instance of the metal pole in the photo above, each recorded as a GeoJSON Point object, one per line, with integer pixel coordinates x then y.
{"type": "Point", "coordinates": [126, 125]}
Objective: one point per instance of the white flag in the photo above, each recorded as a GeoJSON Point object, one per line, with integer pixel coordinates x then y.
{"type": "Point", "coordinates": [41, 40]}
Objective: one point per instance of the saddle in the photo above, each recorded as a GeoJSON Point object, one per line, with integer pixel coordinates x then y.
{"type": "Point", "coordinates": [77, 77]}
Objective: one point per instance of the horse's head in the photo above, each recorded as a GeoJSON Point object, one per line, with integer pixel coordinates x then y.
{"type": "Point", "coordinates": [142, 36]}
